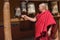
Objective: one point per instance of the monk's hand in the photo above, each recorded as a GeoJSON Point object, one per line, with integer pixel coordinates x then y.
{"type": "Point", "coordinates": [24, 16]}
{"type": "Point", "coordinates": [49, 32]}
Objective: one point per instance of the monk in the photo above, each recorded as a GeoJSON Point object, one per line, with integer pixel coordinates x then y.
{"type": "Point", "coordinates": [44, 23]}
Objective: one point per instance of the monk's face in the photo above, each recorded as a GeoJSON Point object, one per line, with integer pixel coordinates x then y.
{"type": "Point", "coordinates": [41, 7]}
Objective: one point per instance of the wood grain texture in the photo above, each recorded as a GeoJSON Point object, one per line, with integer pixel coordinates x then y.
{"type": "Point", "coordinates": [7, 24]}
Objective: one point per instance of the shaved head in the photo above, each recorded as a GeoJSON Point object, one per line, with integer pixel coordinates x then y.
{"type": "Point", "coordinates": [43, 6]}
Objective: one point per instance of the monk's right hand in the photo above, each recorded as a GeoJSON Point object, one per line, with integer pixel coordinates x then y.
{"type": "Point", "coordinates": [22, 16]}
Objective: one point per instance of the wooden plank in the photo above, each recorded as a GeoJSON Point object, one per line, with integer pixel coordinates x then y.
{"type": "Point", "coordinates": [7, 24]}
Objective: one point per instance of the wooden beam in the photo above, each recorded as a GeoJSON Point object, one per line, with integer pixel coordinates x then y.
{"type": "Point", "coordinates": [7, 23]}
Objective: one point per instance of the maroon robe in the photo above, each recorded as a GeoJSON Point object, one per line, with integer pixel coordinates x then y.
{"type": "Point", "coordinates": [43, 21]}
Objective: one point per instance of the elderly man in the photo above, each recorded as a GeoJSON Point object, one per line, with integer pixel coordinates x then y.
{"type": "Point", "coordinates": [43, 20]}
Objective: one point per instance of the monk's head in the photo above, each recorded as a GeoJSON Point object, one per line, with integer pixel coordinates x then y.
{"type": "Point", "coordinates": [43, 6]}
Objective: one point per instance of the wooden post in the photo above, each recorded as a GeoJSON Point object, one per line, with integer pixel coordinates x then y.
{"type": "Point", "coordinates": [7, 24]}
{"type": "Point", "coordinates": [59, 29]}
{"type": "Point", "coordinates": [57, 35]}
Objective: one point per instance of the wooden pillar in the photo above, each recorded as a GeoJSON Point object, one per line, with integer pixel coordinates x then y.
{"type": "Point", "coordinates": [7, 23]}
{"type": "Point", "coordinates": [59, 29]}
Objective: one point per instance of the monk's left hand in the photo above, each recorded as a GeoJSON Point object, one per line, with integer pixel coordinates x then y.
{"type": "Point", "coordinates": [49, 32]}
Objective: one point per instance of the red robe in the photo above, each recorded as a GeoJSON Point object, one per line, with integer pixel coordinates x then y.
{"type": "Point", "coordinates": [43, 21]}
